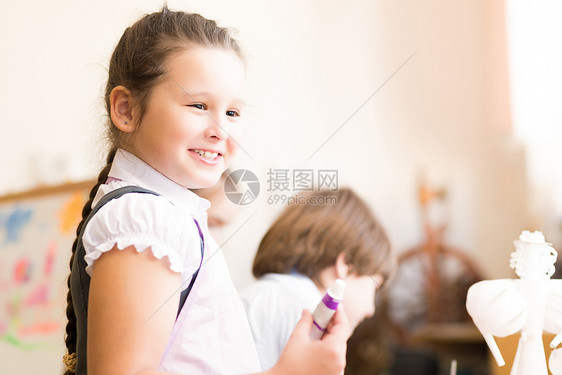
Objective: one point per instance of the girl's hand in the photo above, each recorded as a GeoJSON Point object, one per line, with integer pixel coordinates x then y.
{"type": "Point", "coordinates": [305, 356]}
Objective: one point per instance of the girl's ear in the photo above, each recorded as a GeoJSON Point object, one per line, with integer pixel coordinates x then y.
{"type": "Point", "coordinates": [121, 102]}
{"type": "Point", "coordinates": [342, 269]}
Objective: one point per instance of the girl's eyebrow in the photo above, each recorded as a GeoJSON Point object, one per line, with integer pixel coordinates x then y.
{"type": "Point", "coordinates": [239, 101]}
{"type": "Point", "coordinates": [205, 94]}
{"type": "Point", "coordinates": [202, 93]}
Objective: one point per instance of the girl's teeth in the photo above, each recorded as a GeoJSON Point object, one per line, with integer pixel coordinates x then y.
{"type": "Point", "coordinates": [207, 154]}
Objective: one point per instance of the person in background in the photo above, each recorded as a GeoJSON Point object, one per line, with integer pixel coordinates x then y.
{"type": "Point", "coordinates": [328, 235]}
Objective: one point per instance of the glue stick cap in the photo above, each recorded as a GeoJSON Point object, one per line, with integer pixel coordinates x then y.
{"type": "Point", "coordinates": [337, 289]}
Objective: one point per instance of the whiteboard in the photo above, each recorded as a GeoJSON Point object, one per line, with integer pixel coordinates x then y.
{"type": "Point", "coordinates": [37, 229]}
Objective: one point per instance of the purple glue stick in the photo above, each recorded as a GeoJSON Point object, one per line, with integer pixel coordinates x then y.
{"type": "Point", "coordinates": [326, 309]}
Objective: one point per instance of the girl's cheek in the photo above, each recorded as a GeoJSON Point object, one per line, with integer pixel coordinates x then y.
{"type": "Point", "coordinates": [237, 138]}
{"type": "Point", "coordinates": [237, 134]}
{"type": "Point", "coordinates": [371, 310]}
{"type": "Point", "coordinates": [233, 151]}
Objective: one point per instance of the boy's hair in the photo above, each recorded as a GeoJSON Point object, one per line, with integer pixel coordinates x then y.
{"type": "Point", "coordinates": [139, 64]}
{"type": "Point", "coordinates": [308, 237]}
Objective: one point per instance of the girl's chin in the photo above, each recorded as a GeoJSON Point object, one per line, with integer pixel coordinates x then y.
{"type": "Point", "coordinates": [207, 182]}
{"type": "Point", "coordinates": [199, 183]}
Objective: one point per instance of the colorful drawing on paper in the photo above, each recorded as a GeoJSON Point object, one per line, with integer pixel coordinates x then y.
{"type": "Point", "coordinates": [14, 222]}
{"type": "Point", "coordinates": [70, 214]}
{"type": "Point", "coordinates": [36, 237]}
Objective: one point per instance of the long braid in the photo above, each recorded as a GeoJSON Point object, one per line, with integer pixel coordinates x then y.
{"type": "Point", "coordinates": [71, 333]}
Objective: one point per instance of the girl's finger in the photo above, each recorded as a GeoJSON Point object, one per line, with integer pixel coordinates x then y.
{"type": "Point", "coordinates": [303, 327]}
{"type": "Point", "coordinates": [339, 327]}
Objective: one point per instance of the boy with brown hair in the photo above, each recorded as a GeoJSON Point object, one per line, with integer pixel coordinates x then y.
{"type": "Point", "coordinates": [328, 235]}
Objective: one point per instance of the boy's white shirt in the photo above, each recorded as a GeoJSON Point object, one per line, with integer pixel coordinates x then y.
{"type": "Point", "coordinates": [274, 305]}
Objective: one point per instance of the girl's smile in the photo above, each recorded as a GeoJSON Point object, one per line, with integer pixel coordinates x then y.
{"type": "Point", "coordinates": [207, 156]}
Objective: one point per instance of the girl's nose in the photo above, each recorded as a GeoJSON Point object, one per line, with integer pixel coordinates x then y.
{"type": "Point", "coordinates": [216, 128]}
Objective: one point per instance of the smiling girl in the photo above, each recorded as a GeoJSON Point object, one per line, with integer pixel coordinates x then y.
{"type": "Point", "coordinates": [174, 100]}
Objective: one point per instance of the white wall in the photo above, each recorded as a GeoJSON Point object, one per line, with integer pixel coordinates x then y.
{"type": "Point", "coordinates": [312, 65]}
{"type": "Point", "coordinates": [535, 34]}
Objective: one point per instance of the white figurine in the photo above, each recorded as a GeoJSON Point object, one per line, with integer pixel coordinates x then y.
{"type": "Point", "coordinates": [532, 303]}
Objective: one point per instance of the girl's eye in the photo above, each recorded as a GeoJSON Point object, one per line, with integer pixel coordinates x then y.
{"type": "Point", "coordinates": [199, 106]}
{"type": "Point", "coordinates": [233, 113]}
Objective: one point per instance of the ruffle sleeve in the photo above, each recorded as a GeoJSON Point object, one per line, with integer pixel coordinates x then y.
{"type": "Point", "coordinates": [144, 221]}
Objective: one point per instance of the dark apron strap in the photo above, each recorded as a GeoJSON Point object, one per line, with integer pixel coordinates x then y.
{"type": "Point", "coordinates": [186, 292]}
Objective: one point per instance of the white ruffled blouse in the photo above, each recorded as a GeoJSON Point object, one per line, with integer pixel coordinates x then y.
{"type": "Point", "coordinates": [211, 334]}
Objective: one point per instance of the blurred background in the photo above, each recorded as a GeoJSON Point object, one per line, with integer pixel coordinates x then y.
{"type": "Point", "coordinates": [443, 115]}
